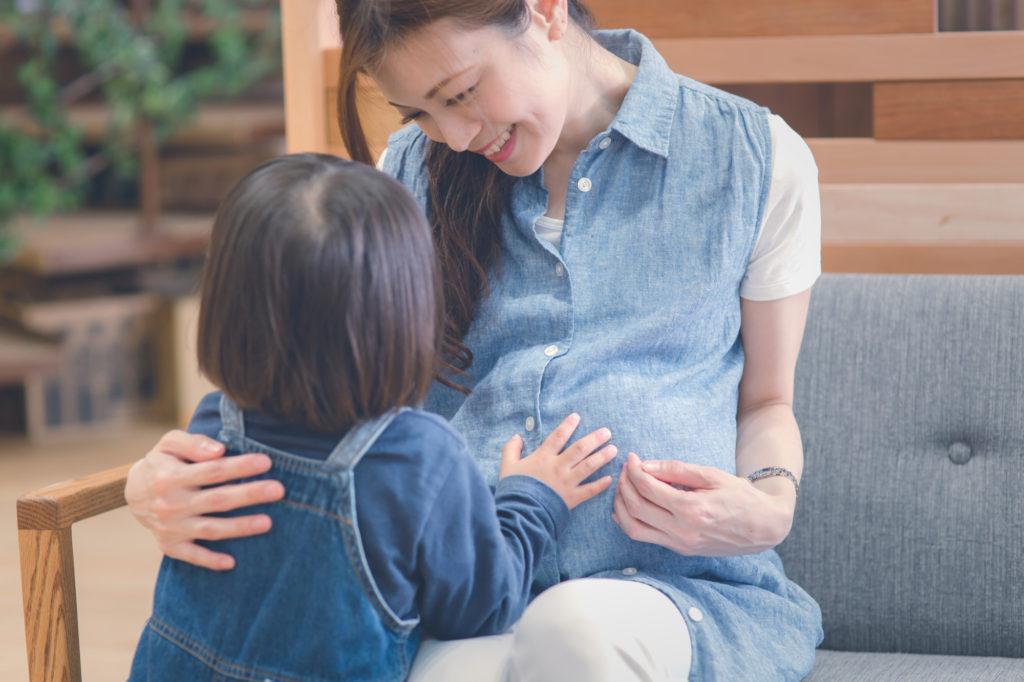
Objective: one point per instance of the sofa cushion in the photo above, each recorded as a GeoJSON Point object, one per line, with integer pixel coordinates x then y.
{"type": "Point", "coordinates": [910, 526]}
{"type": "Point", "coordinates": [852, 666]}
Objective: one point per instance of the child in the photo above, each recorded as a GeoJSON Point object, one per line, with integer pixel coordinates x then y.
{"type": "Point", "coordinates": [321, 321]}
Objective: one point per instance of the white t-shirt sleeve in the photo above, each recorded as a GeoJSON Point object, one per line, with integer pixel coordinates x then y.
{"type": "Point", "coordinates": [787, 257]}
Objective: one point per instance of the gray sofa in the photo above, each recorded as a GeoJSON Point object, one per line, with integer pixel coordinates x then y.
{"type": "Point", "coordinates": [910, 527]}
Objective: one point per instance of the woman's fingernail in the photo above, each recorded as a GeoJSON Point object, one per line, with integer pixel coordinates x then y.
{"type": "Point", "coordinates": [651, 466]}
{"type": "Point", "coordinates": [208, 446]}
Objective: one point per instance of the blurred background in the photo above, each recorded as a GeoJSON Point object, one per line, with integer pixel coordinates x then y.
{"type": "Point", "coordinates": [122, 125]}
{"type": "Point", "coordinates": [124, 122]}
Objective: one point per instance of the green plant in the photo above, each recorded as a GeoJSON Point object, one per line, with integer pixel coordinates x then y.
{"type": "Point", "coordinates": [133, 57]}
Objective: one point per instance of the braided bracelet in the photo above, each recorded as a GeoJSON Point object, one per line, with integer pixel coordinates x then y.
{"type": "Point", "coordinates": [768, 472]}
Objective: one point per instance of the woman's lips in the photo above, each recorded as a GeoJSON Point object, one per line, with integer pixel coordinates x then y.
{"type": "Point", "coordinates": [487, 146]}
{"type": "Point", "coordinates": [506, 150]}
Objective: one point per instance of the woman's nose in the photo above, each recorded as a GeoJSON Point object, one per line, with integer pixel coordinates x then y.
{"type": "Point", "coordinates": [458, 132]}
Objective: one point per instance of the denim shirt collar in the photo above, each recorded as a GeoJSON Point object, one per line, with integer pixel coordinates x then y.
{"type": "Point", "coordinates": [646, 115]}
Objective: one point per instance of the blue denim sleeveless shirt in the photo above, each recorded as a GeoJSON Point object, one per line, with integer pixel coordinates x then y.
{"type": "Point", "coordinates": [318, 614]}
{"type": "Point", "coordinates": [634, 323]}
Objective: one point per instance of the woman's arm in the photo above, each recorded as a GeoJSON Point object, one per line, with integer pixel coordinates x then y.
{"type": "Point", "coordinates": [721, 514]}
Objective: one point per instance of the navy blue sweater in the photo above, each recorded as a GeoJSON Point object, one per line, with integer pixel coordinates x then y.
{"type": "Point", "coordinates": [440, 544]}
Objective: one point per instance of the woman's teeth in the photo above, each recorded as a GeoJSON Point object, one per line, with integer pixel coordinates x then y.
{"type": "Point", "coordinates": [499, 143]}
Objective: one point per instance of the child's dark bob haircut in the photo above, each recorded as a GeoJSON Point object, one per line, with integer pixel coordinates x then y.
{"type": "Point", "coordinates": [321, 303]}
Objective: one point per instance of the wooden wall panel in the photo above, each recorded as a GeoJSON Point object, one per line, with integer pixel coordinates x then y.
{"type": "Point", "coordinates": [852, 160]}
{"type": "Point", "coordinates": [950, 110]}
{"type": "Point", "coordinates": [712, 18]}
{"type": "Point", "coordinates": [957, 259]}
{"type": "Point", "coordinates": [845, 59]}
{"type": "Point", "coordinates": [924, 212]}
{"type": "Point", "coordinates": [815, 109]}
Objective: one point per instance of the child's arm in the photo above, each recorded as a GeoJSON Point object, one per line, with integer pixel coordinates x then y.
{"type": "Point", "coordinates": [479, 552]}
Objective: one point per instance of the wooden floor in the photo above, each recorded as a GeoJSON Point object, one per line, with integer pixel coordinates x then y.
{"type": "Point", "coordinates": [115, 559]}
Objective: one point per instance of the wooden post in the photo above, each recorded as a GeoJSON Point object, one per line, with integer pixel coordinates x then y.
{"type": "Point", "coordinates": [308, 27]}
{"type": "Point", "coordinates": [149, 155]}
{"type": "Point", "coordinates": [51, 613]}
{"type": "Point", "coordinates": [149, 180]}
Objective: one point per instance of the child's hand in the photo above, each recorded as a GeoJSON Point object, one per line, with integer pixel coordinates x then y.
{"type": "Point", "coordinates": [561, 471]}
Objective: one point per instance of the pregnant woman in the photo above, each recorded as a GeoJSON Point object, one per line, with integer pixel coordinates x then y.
{"type": "Point", "coordinates": [619, 241]}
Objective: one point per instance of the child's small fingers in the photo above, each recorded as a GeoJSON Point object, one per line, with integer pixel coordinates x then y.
{"type": "Point", "coordinates": [592, 489]}
{"type": "Point", "coordinates": [511, 451]}
{"type": "Point", "coordinates": [557, 439]}
{"type": "Point", "coordinates": [586, 445]}
{"type": "Point", "coordinates": [588, 465]}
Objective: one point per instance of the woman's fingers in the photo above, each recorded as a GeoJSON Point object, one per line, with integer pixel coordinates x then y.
{"type": "Point", "coordinates": [192, 553]}
{"type": "Point", "coordinates": [650, 488]}
{"type": "Point", "coordinates": [229, 497]}
{"type": "Point", "coordinates": [223, 469]}
{"type": "Point", "coordinates": [634, 528]}
{"type": "Point", "coordinates": [640, 508]}
{"type": "Point", "coordinates": [219, 528]}
{"type": "Point", "coordinates": [586, 445]}
{"type": "Point", "coordinates": [191, 447]}
{"type": "Point", "coordinates": [681, 473]}
{"type": "Point", "coordinates": [557, 439]}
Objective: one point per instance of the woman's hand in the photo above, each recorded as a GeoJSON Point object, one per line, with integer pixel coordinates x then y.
{"type": "Point", "coordinates": [165, 493]}
{"type": "Point", "coordinates": [714, 514]}
{"type": "Point", "coordinates": [563, 471]}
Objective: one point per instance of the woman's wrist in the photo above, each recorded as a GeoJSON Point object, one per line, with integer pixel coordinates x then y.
{"type": "Point", "coordinates": [782, 497]}
{"type": "Point", "coordinates": [777, 487]}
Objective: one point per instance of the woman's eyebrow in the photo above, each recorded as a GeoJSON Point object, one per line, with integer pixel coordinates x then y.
{"type": "Point", "coordinates": [434, 90]}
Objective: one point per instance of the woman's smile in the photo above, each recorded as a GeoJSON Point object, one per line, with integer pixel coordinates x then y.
{"type": "Point", "coordinates": [502, 147]}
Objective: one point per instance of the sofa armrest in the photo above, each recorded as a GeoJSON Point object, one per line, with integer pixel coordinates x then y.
{"type": "Point", "coordinates": [45, 518]}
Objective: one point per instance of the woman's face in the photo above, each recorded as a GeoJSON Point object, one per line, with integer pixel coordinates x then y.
{"type": "Point", "coordinates": [482, 90]}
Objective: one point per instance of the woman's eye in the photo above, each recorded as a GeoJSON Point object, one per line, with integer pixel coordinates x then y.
{"type": "Point", "coordinates": [461, 97]}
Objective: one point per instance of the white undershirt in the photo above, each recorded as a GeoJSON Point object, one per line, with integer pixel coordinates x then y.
{"type": "Point", "coordinates": [787, 256]}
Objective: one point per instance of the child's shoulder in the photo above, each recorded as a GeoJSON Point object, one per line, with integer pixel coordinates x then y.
{"type": "Point", "coordinates": [415, 457]}
{"type": "Point", "coordinates": [421, 430]}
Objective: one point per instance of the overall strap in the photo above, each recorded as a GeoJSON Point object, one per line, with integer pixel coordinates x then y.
{"type": "Point", "coordinates": [231, 417]}
{"type": "Point", "coordinates": [358, 440]}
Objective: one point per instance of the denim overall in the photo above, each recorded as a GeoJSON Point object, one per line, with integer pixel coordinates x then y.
{"type": "Point", "coordinates": [633, 321]}
{"type": "Point", "coordinates": [301, 603]}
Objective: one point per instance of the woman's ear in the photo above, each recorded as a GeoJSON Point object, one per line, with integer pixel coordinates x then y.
{"type": "Point", "coordinates": [553, 14]}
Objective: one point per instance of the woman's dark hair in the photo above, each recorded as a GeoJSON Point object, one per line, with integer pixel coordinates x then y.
{"type": "Point", "coordinates": [468, 195]}
{"type": "Point", "coordinates": [320, 298]}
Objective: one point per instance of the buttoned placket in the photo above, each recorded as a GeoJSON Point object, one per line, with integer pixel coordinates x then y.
{"type": "Point", "coordinates": [583, 185]}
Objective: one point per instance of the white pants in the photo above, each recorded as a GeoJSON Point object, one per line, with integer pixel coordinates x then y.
{"type": "Point", "coordinates": [591, 630]}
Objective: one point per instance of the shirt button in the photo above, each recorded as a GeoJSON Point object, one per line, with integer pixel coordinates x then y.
{"type": "Point", "coordinates": [584, 184]}
{"type": "Point", "coordinates": [695, 614]}
{"type": "Point", "coordinates": [605, 143]}
{"type": "Point", "coordinates": [530, 423]}
{"type": "Point", "coordinates": [629, 571]}
{"type": "Point", "coordinates": [551, 351]}
{"type": "Point", "coordinates": [559, 270]}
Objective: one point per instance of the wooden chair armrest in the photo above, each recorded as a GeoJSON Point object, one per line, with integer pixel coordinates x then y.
{"type": "Point", "coordinates": [62, 504]}
{"type": "Point", "coordinates": [45, 518]}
